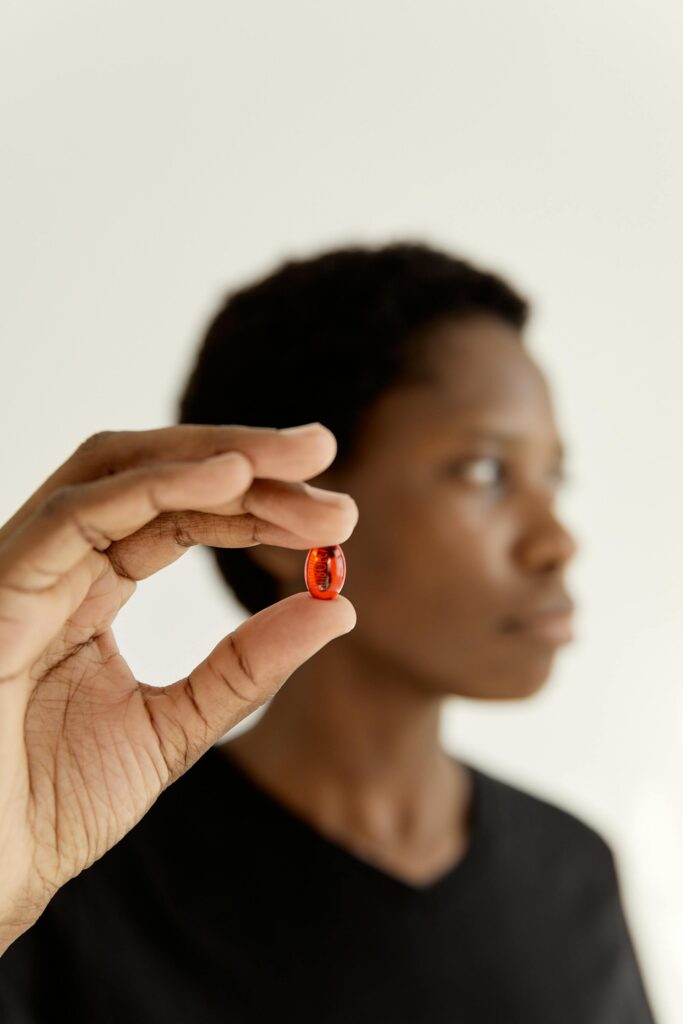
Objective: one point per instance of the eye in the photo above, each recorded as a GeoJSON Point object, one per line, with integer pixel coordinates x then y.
{"type": "Point", "coordinates": [489, 470]}
{"type": "Point", "coordinates": [486, 477]}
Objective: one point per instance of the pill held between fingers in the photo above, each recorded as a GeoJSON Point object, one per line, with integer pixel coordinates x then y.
{"type": "Point", "coordinates": [325, 572]}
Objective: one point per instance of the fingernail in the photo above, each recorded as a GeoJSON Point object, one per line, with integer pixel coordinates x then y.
{"type": "Point", "coordinates": [224, 457]}
{"type": "Point", "coordinates": [303, 429]}
{"type": "Point", "coordinates": [328, 497]}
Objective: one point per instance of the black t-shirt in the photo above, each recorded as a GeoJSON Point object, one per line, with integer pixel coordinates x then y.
{"type": "Point", "coordinates": [222, 905]}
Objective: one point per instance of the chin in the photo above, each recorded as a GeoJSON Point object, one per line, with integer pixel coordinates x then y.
{"type": "Point", "coordinates": [521, 686]}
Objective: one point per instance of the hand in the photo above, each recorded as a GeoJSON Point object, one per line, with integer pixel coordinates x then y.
{"type": "Point", "coordinates": [85, 749]}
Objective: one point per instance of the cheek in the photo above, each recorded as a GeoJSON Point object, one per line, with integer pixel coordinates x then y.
{"type": "Point", "coordinates": [427, 586]}
{"type": "Point", "coordinates": [425, 571]}
{"type": "Point", "coordinates": [473, 557]}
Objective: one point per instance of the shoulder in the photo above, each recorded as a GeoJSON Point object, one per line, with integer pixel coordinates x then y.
{"type": "Point", "coordinates": [534, 828]}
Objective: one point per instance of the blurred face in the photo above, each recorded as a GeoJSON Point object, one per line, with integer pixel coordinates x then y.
{"type": "Point", "coordinates": [458, 535]}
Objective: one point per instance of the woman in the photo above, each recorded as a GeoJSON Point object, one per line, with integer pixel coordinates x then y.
{"type": "Point", "coordinates": [333, 863]}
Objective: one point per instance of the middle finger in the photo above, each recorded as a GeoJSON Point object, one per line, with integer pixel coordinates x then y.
{"type": "Point", "coordinates": [293, 515]}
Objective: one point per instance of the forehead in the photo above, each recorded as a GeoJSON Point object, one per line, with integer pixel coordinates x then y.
{"type": "Point", "coordinates": [479, 362]}
{"type": "Point", "coordinates": [473, 375]}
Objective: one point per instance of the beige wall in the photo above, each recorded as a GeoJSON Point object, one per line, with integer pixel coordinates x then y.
{"type": "Point", "coordinates": [154, 153]}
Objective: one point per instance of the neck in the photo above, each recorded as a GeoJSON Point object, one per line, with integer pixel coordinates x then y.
{"type": "Point", "coordinates": [353, 745]}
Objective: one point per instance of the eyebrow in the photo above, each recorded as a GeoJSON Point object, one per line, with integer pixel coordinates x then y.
{"type": "Point", "coordinates": [480, 434]}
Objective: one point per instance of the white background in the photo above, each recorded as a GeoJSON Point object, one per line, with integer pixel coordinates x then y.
{"type": "Point", "coordinates": [154, 154]}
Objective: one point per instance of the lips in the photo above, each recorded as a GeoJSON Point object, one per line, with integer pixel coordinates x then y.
{"type": "Point", "coordinates": [547, 629]}
{"type": "Point", "coordinates": [549, 615]}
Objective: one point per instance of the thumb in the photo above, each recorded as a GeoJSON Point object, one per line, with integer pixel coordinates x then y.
{"type": "Point", "coordinates": [243, 671]}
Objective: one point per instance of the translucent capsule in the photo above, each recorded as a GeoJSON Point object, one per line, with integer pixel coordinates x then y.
{"type": "Point", "coordinates": [325, 571]}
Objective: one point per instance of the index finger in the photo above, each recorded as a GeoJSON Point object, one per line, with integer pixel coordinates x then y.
{"type": "Point", "coordinates": [294, 453]}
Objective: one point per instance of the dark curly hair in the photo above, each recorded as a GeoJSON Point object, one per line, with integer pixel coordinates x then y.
{"type": "Point", "coordinates": [322, 339]}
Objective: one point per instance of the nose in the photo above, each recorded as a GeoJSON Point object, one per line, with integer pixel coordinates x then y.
{"type": "Point", "coordinates": [546, 543]}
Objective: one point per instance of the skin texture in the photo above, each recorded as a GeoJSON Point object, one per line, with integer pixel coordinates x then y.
{"type": "Point", "coordinates": [445, 551]}
{"type": "Point", "coordinates": [85, 747]}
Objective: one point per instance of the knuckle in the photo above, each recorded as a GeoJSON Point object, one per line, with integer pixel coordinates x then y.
{"type": "Point", "coordinates": [104, 454]}
{"type": "Point", "coordinates": [95, 442]}
{"type": "Point", "coordinates": [99, 455]}
{"type": "Point", "coordinates": [182, 531]}
{"type": "Point", "coordinates": [63, 504]}
{"type": "Point", "coordinates": [257, 534]}
{"type": "Point", "coordinates": [248, 685]}
{"type": "Point", "coordinates": [58, 501]}
{"type": "Point", "coordinates": [237, 676]}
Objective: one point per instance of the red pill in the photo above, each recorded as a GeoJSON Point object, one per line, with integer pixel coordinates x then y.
{"type": "Point", "coordinates": [325, 571]}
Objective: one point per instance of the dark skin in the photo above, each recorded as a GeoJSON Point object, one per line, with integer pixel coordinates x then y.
{"type": "Point", "coordinates": [85, 747]}
{"type": "Point", "coordinates": [456, 534]}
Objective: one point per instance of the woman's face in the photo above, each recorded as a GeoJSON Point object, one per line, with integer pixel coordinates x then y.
{"type": "Point", "coordinates": [456, 484]}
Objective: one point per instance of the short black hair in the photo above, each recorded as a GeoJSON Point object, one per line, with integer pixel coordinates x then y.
{"type": "Point", "coordinates": [321, 339]}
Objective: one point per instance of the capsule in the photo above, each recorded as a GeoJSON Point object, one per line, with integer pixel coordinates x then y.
{"type": "Point", "coordinates": [325, 572]}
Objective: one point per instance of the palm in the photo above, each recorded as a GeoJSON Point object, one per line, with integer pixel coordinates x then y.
{"type": "Point", "coordinates": [86, 749]}
{"type": "Point", "coordinates": [94, 759]}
